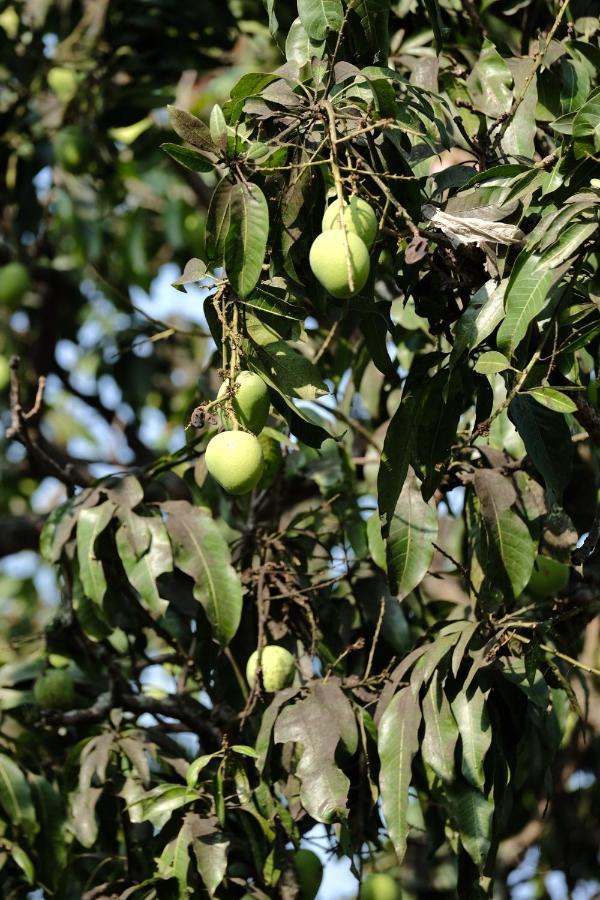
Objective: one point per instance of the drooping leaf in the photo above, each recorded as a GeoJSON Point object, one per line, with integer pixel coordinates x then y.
{"type": "Point", "coordinates": [15, 797]}
{"type": "Point", "coordinates": [218, 219]}
{"type": "Point", "coordinates": [397, 744]}
{"type": "Point", "coordinates": [144, 548]}
{"type": "Point", "coordinates": [246, 241]}
{"type": "Point", "coordinates": [473, 814]}
{"type": "Point", "coordinates": [82, 802]}
{"type": "Point", "coordinates": [507, 532]}
{"type": "Point", "coordinates": [90, 524]}
{"type": "Point", "coordinates": [547, 440]}
{"type": "Point", "coordinates": [441, 732]}
{"type": "Point", "coordinates": [324, 787]}
{"type": "Point", "coordinates": [210, 848]}
{"type": "Point", "coordinates": [470, 713]}
{"type": "Point", "coordinates": [413, 530]}
{"type": "Point", "coordinates": [200, 551]}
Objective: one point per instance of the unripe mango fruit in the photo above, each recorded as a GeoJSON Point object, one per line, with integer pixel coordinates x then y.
{"type": "Point", "coordinates": [359, 217]}
{"type": "Point", "coordinates": [277, 665]}
{"type": "Point", "coordinates": [309, 873]}
{"type": "Point", "coordinates": [54, 690]}
{"type": "Point", "coordinates": [235, 460]}
{"type": "Point", "coordinates": [549, 576]}
{"type": "Point", "coordinates": [380, 886]}
{"type": "Point", "coordinates": [14, 281]}
{"type": "Point", "coordinates": [329, 263]}
{"type": "Point", "coordinates": [250, 402]}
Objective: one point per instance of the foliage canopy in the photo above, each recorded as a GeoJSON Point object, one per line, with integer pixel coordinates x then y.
{"type": "Point", "coordinates": [431, 438]}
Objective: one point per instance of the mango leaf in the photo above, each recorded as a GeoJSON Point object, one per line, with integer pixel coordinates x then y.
{"type": "Point", "coordinates": [158, 805]}
{"type": "Point", "coordinates": [50, 811]}
{"type": "Point", "coordinates": [547, 440]}
{"type": "Point", "coordinates": [324, 787]}
{"type": "Point", "coordinates": [397, 744]}
{"type": "Point", "coordinates": [400, 439]}
{"type": "Point", "coordinates": [553, 399]}
{"type": "Point", "coordinates": [470, 713]}
{"type": "Point", "coordinates": [218, 219]}
{"type": "Point", "coordinates": [435, 20]}
{"type": "Point", "coordinates": [413, 530]}
{"type": "Point", "coordinates": [320, 17]}
{"type": "Point", "coordinates": [24, 862]}
{"type": "Point", "coordinates": [491, 362]}
{"type": "Point", "coordinates": [15, 797]}
{"type": "Point", "coordinates": [526, 295]}
{"type": "Point", "coordinates": [210, 848]}
{"type": "Point", "coordinates": [299, 48]}
{"type": "Point", "coordinates": [200, 550]}
{"type": "Point", "coordinates": [373, 18]}
{"type": "Point", "coordinates": [188, 157]}
{"type": "Point", "coordinates": [144, 548]}
{"type": "Point", "coordinates": [472, 812]}
{"type": "Point", "coordinates": [441, 732]}
{"type": "Point", "coordinates": [174, 861]}
{"type": "Point", "coordinates": [289, 372]}
{"type": "Point", "coordinates": [518, 139]}
{"type": "Point", "coordinates": [490, 82]}
{"type": "Point", "coordinates": [268, 298]}
{"type": "Point", "coordinates": [507, 532]}
{"type": "Point", "coordinates": [267, 723]}
{"type": "Point", "coordinates": [587, 120]}
{"type": "Point", "coordinates": [194, 271]}
{"type": "Point", "coordinates": [331, 697]}
{"type": "Point", "coordinates": [567, 242]}
{"type": "Point", "coordinates": [483, 314]}
{"type": "Point", "coordinates": [82, 802]}
{"type": "Point", "coordinates": [441, 407]}
{"type": "Point", "coordinates": [191, 129]}
{"type": "Point", "coordinates": [246, 241]}
{"type": "Point", "coordinates": [90, 524]}
{"type": "Point", "coordinates": [218, 128]}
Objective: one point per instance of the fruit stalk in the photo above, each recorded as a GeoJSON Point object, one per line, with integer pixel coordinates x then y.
{"type": "Point", "coordinates": [337, 178]}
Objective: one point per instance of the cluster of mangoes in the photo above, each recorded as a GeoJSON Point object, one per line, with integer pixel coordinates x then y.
{"type": "Point", "coordinates": [236, 457]}
{"type": "Point", "coordinates": [339, 251]}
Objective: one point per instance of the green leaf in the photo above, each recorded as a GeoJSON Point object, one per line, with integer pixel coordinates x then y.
{"type": "Point", "coordinates": [200, 550]}
{"type": "Point", "coordinates": [547, 440]}
{"type": "Point", "coordinates": [289, 372]}
{"type": "Point", "coordinates": [188, 157]}
{"type": "Point", "coordinates": [413, 530]}
{"type": "Point", "coordinates": [320, 16]}
{"type": "Point", "coordinates": [470, 713]}
{"type": "Point", "coordinates": [218, 128]}
{"type": "Point", "coordinates": [441, 732]}
{"type": "Point", "coordinates": [324, 787]}
{"type": "Point", "coordinates": [587, 120]}
{"type": "Point", "coordinates": [90, 524]}
{"type": "Point", "coordinates": [158, 805]}
{"type": "Point", "coordinates": [377, 547]}
{"type": "Point", "coordinates": [483, 314]}
{"type": "Point", "coordinates": [553, 399]}
{"type": "Point", "coordinates": [268, 298]}
{"type": "Point", "coordinates": [269, 717]}
{"type": "Point", "coordinates": [435, 20]}
{"type": "Point", "coordinates": [373, 28]}
{"type": "Point", "coordinates": [491, 362]}
{"type": "Point", "coordinates": [191, 129]}
{"type": "Point", "coordinates": [441, 406]}
{"type": "Point", "coordinates": [567, 242]}
{"type": "Point", "coordinates": [217, 220]}
{"type": "Point", "coordinates": [196, 767]}
{"type": "Point", "coordinates": [518, 139]}
{"type": "Point", "coordinates": [526, 296]}
{"type": "Point", "coordinates": [210, 848]}
{"type": "Point", "coordinates": [490, 82]}
{"type": "Point", "coordinates": [15, 797]}
{"type": "Point", "coordinates": [400, 439]}
{"type": "Point", "coordinates": [397, 744]}
{"type": "Point", "coordinates": [194, 271]}
{"type": "Point", "coordinates": [251, 84]}
{"type": "Point", "coordinates": [472, 812]}
{"type": "Point", "coordinates": [299, 48]}
{"type": "Point", "coordinates": [145, 551]}
{"type": "Point", "coordinates": [508, 534]}
{"type": "Point", "coordinates": [246, 241]}
{"type": "Point", "coordinates": [24, 862]}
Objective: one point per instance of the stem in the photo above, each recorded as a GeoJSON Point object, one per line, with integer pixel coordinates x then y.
{"type": "Point", "coordinates": [335, 169]}
{"type": "Point", "coordinates": [574, 662]}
